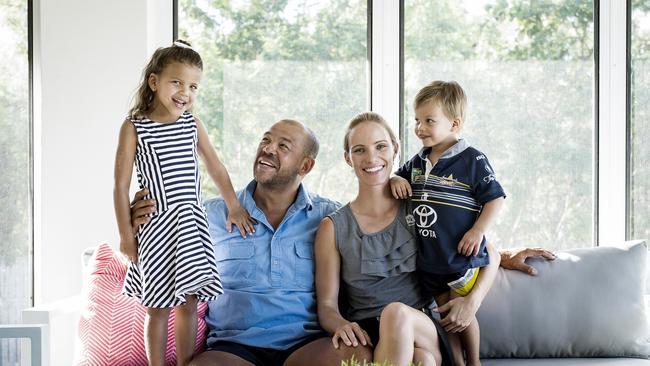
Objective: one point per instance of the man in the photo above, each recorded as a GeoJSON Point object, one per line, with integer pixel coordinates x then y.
{"type": "Point", "coordinates": [267, 314]}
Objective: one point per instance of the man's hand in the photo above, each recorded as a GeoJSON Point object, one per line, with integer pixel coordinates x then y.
{"type": "Point", "coordinates": [460, 312]}
{"type": "Point", "coordinates": [400, 188]}
{"type": "Point", "coordinates": [140, 209]}
{"type": "Point", "coordinates": [515, 258]}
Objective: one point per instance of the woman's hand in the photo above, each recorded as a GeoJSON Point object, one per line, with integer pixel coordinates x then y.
{"type": "Point", "coordinates": [400, 187]}
{"type": "Point", "coordinates": [460, 312]}
{"type": "Point", "coordinates": [240, 217]}
{"type": "Point", "coordinates": [351, 334]}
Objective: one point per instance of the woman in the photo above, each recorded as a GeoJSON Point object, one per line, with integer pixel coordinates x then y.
{"type": "Point", "coordinates": [369, 245]}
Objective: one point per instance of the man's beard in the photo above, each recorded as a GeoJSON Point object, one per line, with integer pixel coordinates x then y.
{"type": "Point", "coordinates": [280, 179]}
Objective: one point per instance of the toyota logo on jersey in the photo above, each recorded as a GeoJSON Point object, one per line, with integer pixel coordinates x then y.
{"type": "Point", "coordinates": [427, 216]}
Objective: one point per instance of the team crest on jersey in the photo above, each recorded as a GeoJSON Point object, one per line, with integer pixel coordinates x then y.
{"type": "Point", "coordinates": [449, 180]}
{"type": "Point", "coordinates": [415, 172]}
{"type": "Point", "coordinates": [410, 220]}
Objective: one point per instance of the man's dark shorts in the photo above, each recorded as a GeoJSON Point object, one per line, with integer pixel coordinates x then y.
{"type": "Point", "coordinates": [260, 356]}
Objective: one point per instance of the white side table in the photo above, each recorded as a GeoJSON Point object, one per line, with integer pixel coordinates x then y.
{"type": "Point", "coordinates": [37, 334]}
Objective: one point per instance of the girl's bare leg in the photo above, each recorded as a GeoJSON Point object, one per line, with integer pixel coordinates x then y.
{"type": "Point", "coordinates": [185, 330]}
{"type": "Point", "coordinates": [155, 335]}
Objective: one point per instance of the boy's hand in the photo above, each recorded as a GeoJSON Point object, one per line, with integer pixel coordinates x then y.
{"type": "Point", "coordinates": [242, 219]}
{"type": "Point", "coordinates": [400, 187]}
{"type": "Point", "coordinates": [129, 248]}
{"type": "Point", "coordinates": [471, 242]}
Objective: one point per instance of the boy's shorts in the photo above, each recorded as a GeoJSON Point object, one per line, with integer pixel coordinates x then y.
{"type": "Point", "coordinates": [436, 284]}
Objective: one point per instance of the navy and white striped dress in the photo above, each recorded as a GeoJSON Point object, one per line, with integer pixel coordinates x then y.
{"type": "Point", "coordinates": [175, 254]}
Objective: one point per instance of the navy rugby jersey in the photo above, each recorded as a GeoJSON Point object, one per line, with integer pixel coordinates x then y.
{"type": "Point", "coordinates": [446, 203]}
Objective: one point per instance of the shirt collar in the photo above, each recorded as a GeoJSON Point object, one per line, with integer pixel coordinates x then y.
{"type": "Point", "coordinates": [454, 150]}
{"type": "Point", "coordinates": [303, 199]}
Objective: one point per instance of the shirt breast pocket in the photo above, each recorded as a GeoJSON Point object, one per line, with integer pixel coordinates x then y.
{"type": "Point", "coordinates": [304, 260]}
{"type": "Point", "coordinates": [236, 263]}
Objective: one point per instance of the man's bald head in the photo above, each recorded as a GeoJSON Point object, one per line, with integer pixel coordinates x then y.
{"type": "Point", "coordinates": [311, 141]}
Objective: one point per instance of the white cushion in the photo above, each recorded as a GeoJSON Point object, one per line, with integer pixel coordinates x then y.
{"type": "Point", "coordinates": [586, 303]}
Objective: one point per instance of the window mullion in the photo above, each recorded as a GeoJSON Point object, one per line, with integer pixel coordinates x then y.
{"type": "Point", "coordinates": [385, 60]}
{"type": "Point", "coordinates": [612, 112]}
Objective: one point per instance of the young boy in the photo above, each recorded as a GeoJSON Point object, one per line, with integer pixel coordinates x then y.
{"type": "Point", "coordinates": [455, 198]}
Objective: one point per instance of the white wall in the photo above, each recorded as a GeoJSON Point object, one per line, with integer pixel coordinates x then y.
{"type": "Point", "coordinates": [88, 58]}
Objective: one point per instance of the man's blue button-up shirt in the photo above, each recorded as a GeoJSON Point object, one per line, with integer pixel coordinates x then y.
{"type": "Point", "coordinates": [269, 297]}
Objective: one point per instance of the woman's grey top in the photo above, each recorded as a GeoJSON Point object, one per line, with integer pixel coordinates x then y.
{"type": "Point", "coordinates": [377, 268]}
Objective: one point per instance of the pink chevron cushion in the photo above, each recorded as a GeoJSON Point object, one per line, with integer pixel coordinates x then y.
{"type": "Point", "coordinates": [111, 327]}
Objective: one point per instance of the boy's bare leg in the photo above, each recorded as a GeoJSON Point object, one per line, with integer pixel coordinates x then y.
{"type": "Point", "coordinates": [454, 338]}
{"type": "Point", "coordinates": [470, 339]}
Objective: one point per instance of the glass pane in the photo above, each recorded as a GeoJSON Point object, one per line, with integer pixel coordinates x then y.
{"type": "Point", "coordinates": [269, 60]}
{"type": "Point", "coordinates": [15, 206]}
{"type": "Point", "coordinates": [528, 71]}
{"type": "Point", "coordinates": [640, 170]}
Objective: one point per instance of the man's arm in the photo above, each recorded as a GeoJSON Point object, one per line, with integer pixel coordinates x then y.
{"type": "Point", "coordinates": [141, 208]}
{"type": "Point", "coordinates": [516, 258]}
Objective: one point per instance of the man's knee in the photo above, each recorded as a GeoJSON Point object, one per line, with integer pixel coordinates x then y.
{"type": "Point", "coordinates": [217, 358]}
{"type": "Point", "coordinates": [322, 352]}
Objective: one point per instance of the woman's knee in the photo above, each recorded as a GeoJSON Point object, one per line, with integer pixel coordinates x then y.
{"type": "Point", "coordinates": [425, 358]}
{"type": "Point", "coordinates": [395, 313]}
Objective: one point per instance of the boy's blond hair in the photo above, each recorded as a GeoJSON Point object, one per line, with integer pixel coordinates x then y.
{"type": "Point", "coordinates": [449, 94]}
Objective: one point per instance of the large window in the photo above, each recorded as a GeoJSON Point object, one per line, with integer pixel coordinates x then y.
{"type": "Point", "coordinates": [269, 60]}
{"type": "Point", "coordinates": [15, 200]}
{"type": "Point", "coordinates": [528, 71]}
{"type": "Point", "coordinates": [639, 202]}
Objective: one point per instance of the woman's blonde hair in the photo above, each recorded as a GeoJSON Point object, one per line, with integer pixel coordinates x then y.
{"type": "Point", "coordinates": [179, 51]}
{"type": "Point", "coordinates": [367, 117]}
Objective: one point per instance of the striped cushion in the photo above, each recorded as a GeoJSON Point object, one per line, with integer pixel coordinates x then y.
{"type": "Point", "coordinates": [111, 326]}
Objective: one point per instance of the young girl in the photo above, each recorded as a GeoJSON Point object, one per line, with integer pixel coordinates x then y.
{"type": "Point", "coordinates": [172, 258]}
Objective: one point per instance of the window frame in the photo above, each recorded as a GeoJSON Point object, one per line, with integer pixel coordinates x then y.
{"type": "Point", "coordinates": [612, 62]}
